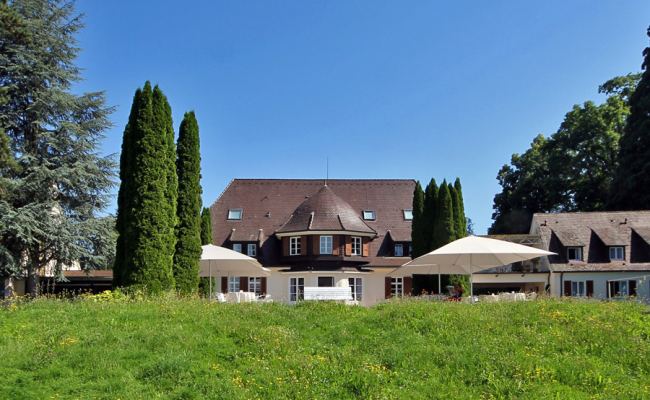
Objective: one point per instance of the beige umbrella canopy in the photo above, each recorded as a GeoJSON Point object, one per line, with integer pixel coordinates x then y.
{"type": "Point", "coordinates": [221, 261]}
{"type": "Point", "coordinates": [474, 253]}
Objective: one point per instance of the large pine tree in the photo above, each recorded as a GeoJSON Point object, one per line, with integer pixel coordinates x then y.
{"type": "Point", "coordinates": [146, 228]}
{"type": "Point", "coordinates": [188, 246]}
{"type": "Point", "coordinates": [206, 227]}
{"type": "Point", "coordinates": [631, 183]}
{"type": "Point", "coordinates": [58, 186]}
{"type": "Point", "coordinates": [417, 235]}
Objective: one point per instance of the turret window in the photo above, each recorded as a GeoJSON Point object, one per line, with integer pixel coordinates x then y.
{"type": "Point", "coordinates": [294, 246]}
{"type": "Point", "coordinates": [325, 245]}
{"type": "Point", "coordinates": [356, 246]}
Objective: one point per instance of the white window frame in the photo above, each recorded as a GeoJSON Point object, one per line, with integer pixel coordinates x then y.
{"type": "Point", "coordinates": [294, 246]}
{"type": "Point", "coordinates": [578, 289]}
{"type": "Point", "coordinates": [255, 284]}
{"type": "Point", "coordinates": [235, 214]}
{"type": "Point", "coordinates": [397, 287]}
{"type": "Point", "coordinates": [233, 284]}
{"type": "Point", "coordinates": [357, 246]}
{"type": "Point", "coordinates": [401, 250]}
{"type": "Point", "coordinates": [237, 247]}
{"type": "Point", "coordinates": [296, 289]}
{"type": "Point", "coordinates": [408, 215]}
{"type": "Point", "coordinates": [252, 250]}
{"type": "Point", "coordinates": [369, 215]}
{"type": "Point", "coordinates": [616, 251]}
{"type": "Point", "coordinates": [578, 252]}
{"type": "Point", "coordinates": [356, 285]}
{"type": "Point", "coordinates": [326, 244]}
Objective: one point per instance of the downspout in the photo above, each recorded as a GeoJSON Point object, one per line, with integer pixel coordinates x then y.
{"type": "Point", "coordinates": [562, 283]}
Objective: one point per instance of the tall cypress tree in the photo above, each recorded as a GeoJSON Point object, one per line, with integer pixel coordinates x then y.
{"type": "Point", "coordinates": [461, 218]}
{"type": "Point", "coordinates": [188, 246]}
{"type": "Point", "coordinates": [455, 208]}
{"type": "Point", "coordinates": [147, 229]}
{"type": "Point", "coordinates": [206, 227]}
{"type": "Point", "coordinates": [444, 228]}
{"type": "Point", "coordinates": [429, 214]}
{"type": "Point", "coordinates": [631, 183]}
{"type": "Point", "coordinates": [417, 237]}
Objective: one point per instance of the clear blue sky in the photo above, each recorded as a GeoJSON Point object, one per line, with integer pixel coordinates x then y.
{"type": "Point", "coordinates": [385, 89]}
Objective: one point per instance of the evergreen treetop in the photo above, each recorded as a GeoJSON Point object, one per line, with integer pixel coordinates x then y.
{"type": "Point", "coordinates": [417, 234]}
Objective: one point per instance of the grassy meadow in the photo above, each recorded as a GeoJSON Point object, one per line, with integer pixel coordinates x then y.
{"type": "Point", "coordinates": [114, 347]}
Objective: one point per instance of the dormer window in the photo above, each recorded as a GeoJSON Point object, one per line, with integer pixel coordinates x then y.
{"type": "Point", "coordinates": [399, 250]}
{"type": "Point", "coordinates": [616, 253]}
{"type": "Point", "coordinates": [235, 215]}
{"type": "Point", "coordinates": [369, 215]}
{"type": "Point", "coordinates": [356, 246]}
{"type": "Point", "coordinates": [574, 253]}
{"type": "Point", "coordinates": [237, 247]}
{"type": "Point", "coordinates": [408, 215]}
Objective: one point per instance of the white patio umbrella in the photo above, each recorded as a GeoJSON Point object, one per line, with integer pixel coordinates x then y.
{"type": "Point", "coordinates": [224, 261]}
{"type": "Point", "coordinates": [474, 253]}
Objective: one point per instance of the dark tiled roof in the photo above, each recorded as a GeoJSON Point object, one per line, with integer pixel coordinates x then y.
{"type": "Point", "coordinates": [268, 204]}
{"type": "Point", "coordinates": [400, 235]}
{"type": "Point", "coordinates": [325, 211]}
{"type": "Point", "coordinates": [595, 232]}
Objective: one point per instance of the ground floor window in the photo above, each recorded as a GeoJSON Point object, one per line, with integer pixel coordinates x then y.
{"type": "Point", "coordinates": [255, 285]}
{"type": "Point", "coordinates": [397, 287]}
{"type": "Point", "coordinates": [296, 289]}
{"type": "Point", "coordinates": [325, 281]}
{"type": "Point", "coordinates": [357, 288]}
{"type": "Point", "coordinates": [620, 289]}
{"type": "Point", "coordinates": [233, 285]}
{"type": "Point", "coordinates": [578, 289]}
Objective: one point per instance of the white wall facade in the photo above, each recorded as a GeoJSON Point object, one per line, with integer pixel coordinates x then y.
{"type": "Point", "coordinates": [600, 280]}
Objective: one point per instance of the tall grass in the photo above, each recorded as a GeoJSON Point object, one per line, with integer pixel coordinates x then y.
{"type": "Point", "coordinates": [170, 348]}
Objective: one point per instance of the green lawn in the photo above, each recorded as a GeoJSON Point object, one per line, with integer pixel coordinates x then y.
{"type": "Point", "coordinates": [169, 348]}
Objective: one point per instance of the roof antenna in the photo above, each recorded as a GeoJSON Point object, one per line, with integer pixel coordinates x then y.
{"type": "Point", "coordinates": [328, 170]}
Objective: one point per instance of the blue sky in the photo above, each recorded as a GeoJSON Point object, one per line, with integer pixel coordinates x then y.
{"type": "Point", "coordinates": [385, 89]}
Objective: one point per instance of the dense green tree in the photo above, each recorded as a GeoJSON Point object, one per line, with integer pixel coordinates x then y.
{"type": "Point", "coordinates": [206, 227]}
{"type": "Point", "coordinates": [145, 220]}
{"type": "Point", "coordinates": [461, 219]}
{"type": "Point", "coordinates": [429, 214]}
{"type": "Point", "coordinates": [631, 185]}
{"type": "Point", "coordinates": [417, 234]}
{"type": "Point", "coordinates": [188, 246]}
{"type": "Point", "coordinates": [58, 187]}
{"type": "Point", "coordinates": [455, 207]}
{"type": "Point", "coordinates": [444, 230]}
{"type": "Point", "coordinates": [570, 171]}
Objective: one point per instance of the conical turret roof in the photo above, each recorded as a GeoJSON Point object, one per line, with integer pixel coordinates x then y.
{"type": "Point", "coordinates": [325, 211]}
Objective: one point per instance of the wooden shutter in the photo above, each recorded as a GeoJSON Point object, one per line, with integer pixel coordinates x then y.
{"type": "Point", "coordinates": [316, 244]}
{"type": "Point", "coordinates": [612, 293]}
{"type": "Point", "coordinates": [303, 245]}
{"type": "Point", "coordinates": [335, 245]}
{"type": "Point", "coordinates": [632, 288]}
{"type": "Point", "coordinates": [243, 283]}
{"type": "Point", "coordinates": [366, 247]}
{"type": "Point", "coordinates": [567, 288]}
{"type": "Point", "coordinates": [224, 284]}
{"type": "Point", "coordinates": [387, 283]}
{"type": "Point", "coordinates": [348, 245]}
{"type": "Point", "coordinates": [590, 288]}
{"type": "Point", "coordinates": [408, 285]}
{"type": "Point", "coordinates": [263, 286]}
{"type": "Point", "coordinates": [285, 246]}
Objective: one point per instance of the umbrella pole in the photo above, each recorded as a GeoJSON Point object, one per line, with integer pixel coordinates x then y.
{"type": "Point", "coordinates": [439, 281]}
{"type": "Point", "coordinates": [210, 273]}
{"type": "Point", "coordinates": [471, 280]}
